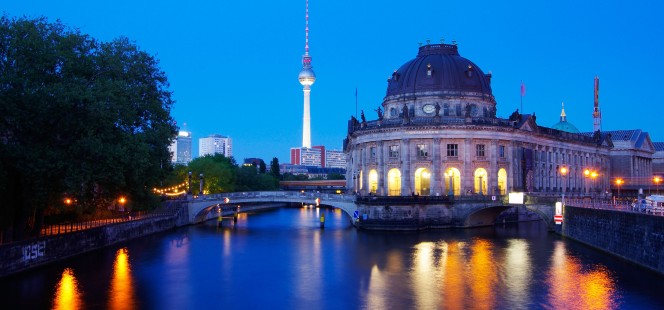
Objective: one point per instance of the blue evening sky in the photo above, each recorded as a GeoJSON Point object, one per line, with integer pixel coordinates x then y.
{"type": "Point", "coordinates": [233, 65]}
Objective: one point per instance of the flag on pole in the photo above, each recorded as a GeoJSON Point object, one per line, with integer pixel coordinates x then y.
{"type": "Point", "coordinates": [523, 89]}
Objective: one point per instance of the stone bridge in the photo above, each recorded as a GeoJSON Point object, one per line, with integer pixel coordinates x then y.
{"type": "Point", "coordinates": [201, 206]}
{"type": "Point", "coordinates": [382, 212]}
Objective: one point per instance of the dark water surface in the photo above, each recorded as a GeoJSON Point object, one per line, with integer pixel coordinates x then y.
{"type": "Point", "coordinates": [281, 259]}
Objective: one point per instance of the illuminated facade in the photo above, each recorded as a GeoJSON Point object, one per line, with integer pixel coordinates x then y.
{"type": "Point", "coordinates": [439, 134]}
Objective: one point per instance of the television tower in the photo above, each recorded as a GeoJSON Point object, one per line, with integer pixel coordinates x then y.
{"type": "Point", "coordinates": [597, 115]}
{"type": "Point", "coordinates": [307, 78]}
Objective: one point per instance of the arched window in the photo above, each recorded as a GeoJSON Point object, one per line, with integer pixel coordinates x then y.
{"type": "Point", "coordinates": [480, 181]}
{"type": "Point", "coordinates": [453, 181]}
{"type": "Point", "coordinates": [394, 182]}
{"type": "Point", "coordinates": [373, 181]}
{"type": "Point", "coordinates": [422, 182]}
{"type": "Point", "coordinates": [502, 181]}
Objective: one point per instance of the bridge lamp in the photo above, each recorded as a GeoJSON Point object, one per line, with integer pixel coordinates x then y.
{"type": "Point", "coordinates": [657, 179]}
{"type": "Point", "coordinates": [563, 173]}
{"type": "Point", "coordinates": [68, 201]}
{"type": "Point", "coordinates": [618, 183]}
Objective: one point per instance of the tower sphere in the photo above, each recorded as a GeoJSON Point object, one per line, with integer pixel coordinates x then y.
{"type": "Point", "coordinates": [307, 77]}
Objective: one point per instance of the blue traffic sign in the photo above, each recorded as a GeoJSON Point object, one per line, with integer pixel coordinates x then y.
{"type": "Point", "coordinates": [356, 214]}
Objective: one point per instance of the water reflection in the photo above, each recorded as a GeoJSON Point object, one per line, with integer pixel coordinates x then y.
{"type": "Point", "coordinates": [482, 274]}
{"type": "Point", "coordinates": [67, 294]}
{"type": "Point", "coordinates": [571, 287]}
{"type": "Point", "coordinates": [121, 293]}
{"type": "Point", "coordinates": [424, 276]}
{"type": "Point", "coordinates": [518, 272]}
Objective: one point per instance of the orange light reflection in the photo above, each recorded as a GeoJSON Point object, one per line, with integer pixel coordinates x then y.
{"type": "Point", "coordinates": [67, 294]}
{"type": "Point", "coordinates": [574, 288]}
{"type": "Point", "coordinates": [121, 292]}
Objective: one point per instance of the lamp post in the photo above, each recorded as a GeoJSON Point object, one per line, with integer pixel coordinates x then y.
{"type": "Point", "coordinates": [189, 184]}
{"type": "Point", "coordinates": [594, 175]}
{"type": "Point", "coordinates": [200, 191]}
{"type": "Point", "coordinates": [451, 176]}
{"type": "Point", "coordinates": [481, 177]}
{"type": "Point", "coordinates": [563, 173]}
{"type": "Point", "coordinates": [657, 179]}
{"type": "Point", "coordinates": [618, 183]}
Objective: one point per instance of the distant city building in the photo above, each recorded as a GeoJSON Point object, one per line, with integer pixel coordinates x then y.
{"type": "Point", "coordinates": [318, 156]}
{"type": "Point", "coordinates": [335, 159]}
{"type": "Point", "coordinates": [215, 144]}
{"type": "Point", "coordinates": [181, 148]}
{"type": "Point", "coordinates": [309, 171]}
{"type": "Point", "coordinates": [252, 162]}
{"type": "Point", "coordinates": [658, 159]}
{"type": "Point", "coordinates": [306, 78]}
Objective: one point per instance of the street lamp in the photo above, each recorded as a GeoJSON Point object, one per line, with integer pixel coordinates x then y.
{"type": "Point", "coordinates": [481, 176]}
{"type": "Point", "coordinates": [200, 191]}
{"type": "Point", "coordinates": [450, 174]}
{"type": "Point", "coordinates": [657, 179]}
{"type": "Point", "coordinates": [618, 183]}
{"type": "Point", "coordinates": [189, 190]}
{"type": "Point", "coordinates": [592, 174]}
{"type": "Point", "coordinates": [563, 173]}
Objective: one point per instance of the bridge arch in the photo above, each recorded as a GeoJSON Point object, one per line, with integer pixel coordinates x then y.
{"type": "Point", "coordinates": [487, 215]}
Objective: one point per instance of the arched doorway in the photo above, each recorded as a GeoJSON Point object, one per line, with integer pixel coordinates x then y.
{"type": "Point", "coordinates": [373, 181]}
{"type": "Point", "coordinates": [480, 181]}
{"type": "Point", "coordinates": [453, 181]}
{"type": "Point", "coordinates": [394, 182]}
{"type": "Point", "coordinates": [502, 181]}
{"type": "Point", "coordinates": [423, 182]}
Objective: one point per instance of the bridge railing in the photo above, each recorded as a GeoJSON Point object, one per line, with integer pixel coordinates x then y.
{"type": "Point", "coordinates": [623, 205]}
{"type": "Point", "coordinates": [279, 194]}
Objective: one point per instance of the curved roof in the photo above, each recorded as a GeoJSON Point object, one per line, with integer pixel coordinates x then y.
{"type": "Point", "coordinates": [565, 126]}
{"type": "Point", "coordinates": [439, 67]}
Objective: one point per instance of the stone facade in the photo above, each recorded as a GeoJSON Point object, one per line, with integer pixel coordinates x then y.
{"type": "Point", "coordinates": [440, 135]}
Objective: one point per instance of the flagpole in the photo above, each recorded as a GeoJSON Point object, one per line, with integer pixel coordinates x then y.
{"type": "Point", "coordinates": [355, 102]}
{"type": "Point", "coordinates": [523, 89]}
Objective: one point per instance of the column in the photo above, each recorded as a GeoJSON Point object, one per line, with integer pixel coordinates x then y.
{"type": "Point", "coordinates": [406, 187]}
{"type": "Point", "coordinates": [381, 170]}
{"type": "Point", "coordinates": [436, 175]}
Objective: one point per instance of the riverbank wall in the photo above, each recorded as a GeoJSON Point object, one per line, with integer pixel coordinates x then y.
{"type": "Point", "coordinates": [20, 256]}
{"type": "Point", "coordinates": [635, 237]}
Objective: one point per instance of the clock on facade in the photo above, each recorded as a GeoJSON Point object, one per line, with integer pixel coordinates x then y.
{"type": "Point", "coordinates": [428, 108]}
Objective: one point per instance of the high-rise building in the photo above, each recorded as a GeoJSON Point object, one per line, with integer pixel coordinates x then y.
{"type": "Point", "coordinates": [312, 157]}
{"type": "Point", "coordinates": [181, 148]}
{"type": "Point", "coordinates": [306, 78]}
{"type": "Point", "coordinates": [215, 144]}
{"type": "Point", "coordinates": [335, 159]}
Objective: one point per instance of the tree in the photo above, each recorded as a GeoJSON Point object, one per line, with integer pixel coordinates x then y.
{"type": "Point", "coordinates": [274, 168]}
{"type": "Point", "coordinates": [78, 118]}
{"type": "Point", "coordinates": [262, 167]}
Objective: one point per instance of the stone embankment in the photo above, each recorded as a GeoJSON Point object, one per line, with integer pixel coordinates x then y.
{"type": "Point", "coordinates": [634, 236]}
{"type": "Point", "coordinates": [20, 256]}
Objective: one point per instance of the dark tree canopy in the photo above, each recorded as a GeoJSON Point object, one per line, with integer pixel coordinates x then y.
{"type": "Point", "coordinates": [79, 118]}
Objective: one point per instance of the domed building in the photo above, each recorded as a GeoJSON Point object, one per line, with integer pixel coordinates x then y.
{"type": "Point", "coordinates": [564, 125]}
{"type": "Point", "coordinates": [437, 133]}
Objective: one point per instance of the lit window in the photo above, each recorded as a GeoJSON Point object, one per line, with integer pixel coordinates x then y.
{"type": "Point", "coordinates": [394, 151]}
{"type": "Point", "coordinates": [452, 150]}
{"type": "Point", "coordinates": [479, 150]}
{"type": "Point", "coordinates": [422, 150]}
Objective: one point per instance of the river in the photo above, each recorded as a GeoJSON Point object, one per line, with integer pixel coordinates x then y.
{"type": "Point", "coordinates": [281, 259]}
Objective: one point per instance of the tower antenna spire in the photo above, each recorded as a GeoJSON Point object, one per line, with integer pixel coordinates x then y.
{"type": "Point", "coordinates": [306, 29]}
{"type": "Point", "coordinates": [306, 78]}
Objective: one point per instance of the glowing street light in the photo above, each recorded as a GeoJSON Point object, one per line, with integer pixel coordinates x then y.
{"type": "Point", "coordinates": [68, 201]}
{"type": "Point", "coordinates": [618, 183]}
{"type": "Point", "coordinates": [657, 180]}
{"type": "Point", "coordinates": [563, 173]}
